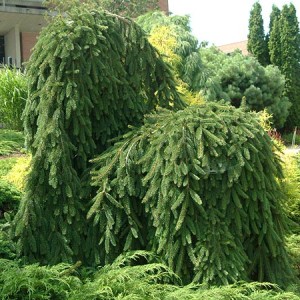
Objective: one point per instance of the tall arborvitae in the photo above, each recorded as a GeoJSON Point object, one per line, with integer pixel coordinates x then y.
{"type": "Point", "coordinates": [274, 43]}
{"type": "Point", "coordinates": [275, 14]}
{"type": "Point", "coordinates": [290, 58]}
{"type": "Point", "coordinates": [91, 75]}
{"type": "Point", "coordinates": [200, 188]}
{"type": "Point", "coordinates": [257, 45]}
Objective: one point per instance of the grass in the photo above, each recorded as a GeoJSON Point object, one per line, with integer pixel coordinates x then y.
{"type": "Point", "coordinates": [11, 141]}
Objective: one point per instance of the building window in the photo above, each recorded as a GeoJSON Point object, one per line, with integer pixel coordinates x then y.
{"type": "Point", "coordinates": [2, 50]}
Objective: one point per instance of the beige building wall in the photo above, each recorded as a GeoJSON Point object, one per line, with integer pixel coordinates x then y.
{"type": "Point", "coordinates": [12, 46]}
{"type": "Point", "coordinates": [164, 5]}
{"type": "Point", "coordinates": [229, 48]}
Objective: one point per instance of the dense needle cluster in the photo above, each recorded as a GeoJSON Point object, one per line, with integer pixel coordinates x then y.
{"type": "Point", "coordinates": [91, 75]}
{"type": "Point", "coordinates": [199, 187]}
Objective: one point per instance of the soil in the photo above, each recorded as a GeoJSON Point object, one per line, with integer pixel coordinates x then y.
{"type": "Point", "coordinates": [12, 155]}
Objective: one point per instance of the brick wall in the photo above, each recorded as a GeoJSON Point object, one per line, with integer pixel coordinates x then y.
{"type": "Point", "coordinates": [28, 40]}
{"type": "Point", "coordinates": [164, 5]}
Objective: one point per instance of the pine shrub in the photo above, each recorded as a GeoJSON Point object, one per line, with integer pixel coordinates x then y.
{"type": "Point", "coordinates": [199, 187]}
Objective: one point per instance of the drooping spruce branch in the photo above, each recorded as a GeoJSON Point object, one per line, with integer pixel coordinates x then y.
{"type": "Point", "coordinates": [199, 187]}
{"type": "Point", "coordinates": [91, 75]}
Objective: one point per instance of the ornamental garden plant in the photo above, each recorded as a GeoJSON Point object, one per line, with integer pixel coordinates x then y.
{"type": "Point", "coordinates": [130, 191]}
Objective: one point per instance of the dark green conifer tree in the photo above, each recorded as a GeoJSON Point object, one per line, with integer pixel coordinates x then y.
{"type": "Point", "coordinates": [290, 58]}
{"type": "Point", "coordinates": [200, 188]}
{"type": "Point", "coordinates": [275, 43]}
{"type": "Point", "coordinates": [91, 75]}
{"type": "Point", "coordinates": [257, 45]}
{"type": "Point", "coordinates": [275, 14]}
{"type": "Point", "coordinates": [127, 8]}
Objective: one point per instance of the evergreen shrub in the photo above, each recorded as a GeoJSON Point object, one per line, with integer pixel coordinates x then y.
{"type": "Point", "coordinates": [200, 188]}
{"type": "Point", "coordinates": [6, 165]}
{"type": "Point", "coordinates": [197, 186]}
{"type": "Point", "coordinates": [9, 198]}
{"type": "Point", "coordinates": [237, 77]}
{"type": "Point", "coordinates": [293, 246]}
{"type": "Point", "coordinates": [18, 173]}
{"type": "Point", "coordinates": [91, 75]}
{"type": "Point", "coordinates": [291, 189]}
{"type": "Point", "coordinates": [7, 250]}
{"type": "Point", "coordinates": [125, 278]}
{"type": "Point", "coordinates": [7, 246]}
{"type": "Point", "coordinates": [35, 282]}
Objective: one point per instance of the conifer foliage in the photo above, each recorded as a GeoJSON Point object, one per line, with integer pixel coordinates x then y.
{"type": "Point", "coordinates": [257, 44]}
{"type": "Point", "coordinates": [91, 75]}
{"type": "Point", "coordinates": [290, 57]}
{"type": "Point", "coordinates": [199, 187]}
{"type": "Point", "coordinates": [283, 46]}
{"type": "Point", "coordinates": [184, 56]}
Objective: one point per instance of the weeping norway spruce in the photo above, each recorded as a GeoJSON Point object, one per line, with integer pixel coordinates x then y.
{"type": "Point", "coordinates": [198, 186]}
{"type": "Point", "coordinates": [91, 75]}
